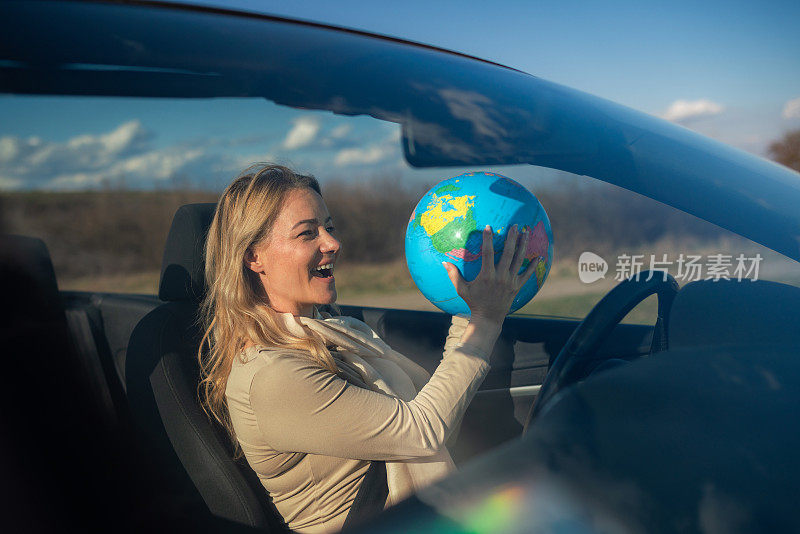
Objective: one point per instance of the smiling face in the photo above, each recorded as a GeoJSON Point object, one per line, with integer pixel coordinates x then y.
{"type": "Point", "coordinates": [295, 261]}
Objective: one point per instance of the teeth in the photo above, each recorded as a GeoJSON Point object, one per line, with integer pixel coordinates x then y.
{"type": "Point", "coordinates": [326, 266]}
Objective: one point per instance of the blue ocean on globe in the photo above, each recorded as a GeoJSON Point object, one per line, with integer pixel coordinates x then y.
{"type": "Point", "coordinates": [446, 225]}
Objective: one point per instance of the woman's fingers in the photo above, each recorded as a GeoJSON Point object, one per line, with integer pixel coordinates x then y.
{"type": "Point", "coordinates": [519, 252]}
{"type": "Point", "coordinates": [487, 252]}
{"type": "Point", "coordinates": [528, 272]}
{"type": "Point", "coordinates": [491, 293]}
{"type": "Point", "coordinates": [509, 249]}
{"type": "Point", "coordinates": [455, 276]}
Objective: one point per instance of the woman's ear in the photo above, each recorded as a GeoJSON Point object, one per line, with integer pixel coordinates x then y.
{"type": "Point", "coordinates": [253, 261]}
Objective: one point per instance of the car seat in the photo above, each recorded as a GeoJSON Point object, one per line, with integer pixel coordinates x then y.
{"type": "Point", "coordinates": [162, 374]}
{"type": "Point", "coordinates": [63, 467]}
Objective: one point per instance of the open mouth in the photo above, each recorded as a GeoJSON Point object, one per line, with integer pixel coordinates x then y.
{"type": "Point", "coordinates": [323, 271]}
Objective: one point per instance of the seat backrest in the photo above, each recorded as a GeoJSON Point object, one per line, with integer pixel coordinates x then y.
{"type": "Point", "coordinates": [726, 312]}
{"type": "Point", "coordinates": [34, 299]}
{"type": "Point", "coordinates": [162, 376]}
{"type": "Point", "coordinates": [62, 468]}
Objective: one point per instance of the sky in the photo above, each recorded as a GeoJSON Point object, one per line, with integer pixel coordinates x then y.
{"type": "Point", "coordinates": [729, 70]}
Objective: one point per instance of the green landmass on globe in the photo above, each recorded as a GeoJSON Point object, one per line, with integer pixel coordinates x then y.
{"type": "Point", "coordinates": [449, 220]}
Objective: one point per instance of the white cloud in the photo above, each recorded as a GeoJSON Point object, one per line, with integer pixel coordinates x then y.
{"type": "Point", "coordinates": [149, 167]}
{"type": "Point", "coordinates": [240, 162]}
{"type": "Point", "coordinates": [128, 135]}
{"type": "Point", "coordinates": [362, 156]}
{"type": "Point", "coordinates": [385, 150]}
{"type": "Point", "coordinates": [686, 110]}
{"type": "Point", "coordinates": [82, 152]}
{"type": "Point", "coordinates": [10, 183]}
{"type": "Point", "coordinates": [303, 132]}
{"type": "Point", "coordinates": [791, 110]}
{"type": "Point", "coordinates": [339, 137]}
{"type": "Point", "coordinates": [341, 131]}
{"type": "Point", "coordinates": [129, 153]}
{"type": "Point", "coordinates": [9, 148]}
{"type": "Point", "coordinates": [159, 164]}
{"type": "Point", "coordinates": [124, 153]}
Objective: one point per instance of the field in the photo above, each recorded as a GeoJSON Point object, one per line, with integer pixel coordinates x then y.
{"type": "Point", "coordinates": [389, 284]}
{"type": "Point", "coordinates": [112, 240]}
{"type": "Point", "coordinates": [563, 294]}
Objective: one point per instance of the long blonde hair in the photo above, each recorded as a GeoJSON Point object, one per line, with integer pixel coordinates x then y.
{"type": "Point", "coordinates": [235, 310]}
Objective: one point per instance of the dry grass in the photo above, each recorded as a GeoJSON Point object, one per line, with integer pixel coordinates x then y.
{"type": "Point", "coordinates": [115, 231]}
{"type": "Point", "coordinates": [112, 240]}
{"type": "Point", "coordinates": [365, 278]}
{"type": "Point", "coordinates": [390, 285]}
{"type": "Point", "coordinates": [145, 283]}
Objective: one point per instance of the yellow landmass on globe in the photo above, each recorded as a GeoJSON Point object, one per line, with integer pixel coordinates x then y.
{"type": "Point", "coordinates": [437, 217]}
{"type": "Point", "coordinates": [541, 268]}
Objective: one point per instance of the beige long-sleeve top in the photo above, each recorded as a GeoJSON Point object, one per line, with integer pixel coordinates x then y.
{"type": "Point", "coordinates": [309, 434]}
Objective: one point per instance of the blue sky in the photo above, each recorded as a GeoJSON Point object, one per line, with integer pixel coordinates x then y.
{"type": "Point", "coordinates": [729, 70]}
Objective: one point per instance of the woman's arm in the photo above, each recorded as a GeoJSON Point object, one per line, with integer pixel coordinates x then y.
{"type": "Point", "coordinates": [457, 337]}
{"type": "Point", "coordinates": [478, 333]}
{"type": "Point", "coordinates": [301, 407]}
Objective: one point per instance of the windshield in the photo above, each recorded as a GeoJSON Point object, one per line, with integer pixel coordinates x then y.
{"type": "Point", "coordinates": [99, 178]}
{"type": "Point", "coordinates": [454, 110]}
{"type": "Point", "coordinates": [144, 122]}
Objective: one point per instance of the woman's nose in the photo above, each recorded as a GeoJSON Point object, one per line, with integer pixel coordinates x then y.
{"type": "Point", "coordinates": [330, 245]}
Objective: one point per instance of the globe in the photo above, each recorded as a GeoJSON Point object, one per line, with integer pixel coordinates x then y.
{"type": "Point", "coordinates": [447, 224]}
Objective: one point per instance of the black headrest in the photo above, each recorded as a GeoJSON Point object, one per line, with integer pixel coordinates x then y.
{"type": "Point", "coordinates": [34, 292]}
{"type": "Point", "coordinates": [736, 312]}
{"type": "Point", "coordinates": [182, 270]}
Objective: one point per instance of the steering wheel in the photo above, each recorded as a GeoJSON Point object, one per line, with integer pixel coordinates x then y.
{"type": "Point", "coordinates": [582, 345]}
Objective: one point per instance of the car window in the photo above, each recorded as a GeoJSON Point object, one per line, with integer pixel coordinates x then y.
{"type": "Point", "coordinates": [99, 178]}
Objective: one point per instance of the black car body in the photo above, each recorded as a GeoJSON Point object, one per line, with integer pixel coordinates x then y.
{"type": "Point", "coordinates": [698, 437]}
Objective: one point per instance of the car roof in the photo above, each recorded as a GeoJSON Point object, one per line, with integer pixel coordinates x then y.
{"type": "Point", "coordinates": [454, 110]}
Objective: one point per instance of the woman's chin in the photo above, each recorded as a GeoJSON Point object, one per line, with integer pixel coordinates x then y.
{"type": "Point", "coordinates": [329, 298]}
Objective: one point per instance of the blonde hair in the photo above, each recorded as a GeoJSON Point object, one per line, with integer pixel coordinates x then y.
{"type": "Point", "coordinates": [235, 310]}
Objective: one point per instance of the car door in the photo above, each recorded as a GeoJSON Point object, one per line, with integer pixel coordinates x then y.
{"type": "Point", "coordinates": [519, 364]}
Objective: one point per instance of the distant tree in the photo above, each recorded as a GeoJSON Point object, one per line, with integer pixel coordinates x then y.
{"type": "Point", "coordinates": [787, 150]}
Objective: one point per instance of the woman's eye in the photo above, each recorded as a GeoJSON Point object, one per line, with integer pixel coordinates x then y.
{"type": "Point", "coordinates": [330, 229]}
{"type": "Point", "coordinates": [307, 232]}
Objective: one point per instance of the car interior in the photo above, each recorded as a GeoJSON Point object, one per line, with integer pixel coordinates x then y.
{"type": "Point", "coordinates": [102, 423]}
{"type": "Point", "coordinates": [137, 356]}
{"type": "Point", "coordinates": [133, 359]}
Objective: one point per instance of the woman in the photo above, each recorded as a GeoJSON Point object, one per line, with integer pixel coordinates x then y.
{"type": "Point", "coordinates": [311, 399]}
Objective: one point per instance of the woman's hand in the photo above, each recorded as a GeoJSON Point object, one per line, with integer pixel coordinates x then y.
{"type": "Point", "coordinates": [490, 294]}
